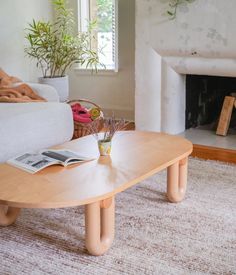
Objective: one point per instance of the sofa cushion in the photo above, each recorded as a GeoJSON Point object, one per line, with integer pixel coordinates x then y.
{"type": "Point", "coordinates": [45, 91]}
{"type": "Point", "coordinates": [33, 126]}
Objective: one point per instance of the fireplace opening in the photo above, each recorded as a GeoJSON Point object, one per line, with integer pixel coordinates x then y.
{"type": "Point", "coordinates": [204, 100]}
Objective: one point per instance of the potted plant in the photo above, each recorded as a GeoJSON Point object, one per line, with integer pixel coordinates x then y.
{"type": "Point", "coordinates": [56, 48]}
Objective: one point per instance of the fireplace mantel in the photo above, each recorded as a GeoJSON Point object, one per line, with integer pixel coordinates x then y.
{"type": "Point", "coordinates": [202, 66]}
{"type": "Point", "coordinates": [198, 41]}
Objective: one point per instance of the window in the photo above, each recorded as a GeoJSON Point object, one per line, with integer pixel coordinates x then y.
{"type": "Point", "coordinates": [105, 13]}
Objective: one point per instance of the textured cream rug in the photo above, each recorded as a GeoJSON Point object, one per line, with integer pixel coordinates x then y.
{"type": "Point", "coordinates": [197, 236]}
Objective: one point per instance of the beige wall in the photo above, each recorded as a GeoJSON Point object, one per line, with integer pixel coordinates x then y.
{"type": "Point", "coordinates": [14, 16]}
{"type": "Point", "coordinates": [113, 91]}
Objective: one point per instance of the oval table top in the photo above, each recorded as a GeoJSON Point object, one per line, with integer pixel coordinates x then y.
{"type": "Point", "coordinates": [135, 156]}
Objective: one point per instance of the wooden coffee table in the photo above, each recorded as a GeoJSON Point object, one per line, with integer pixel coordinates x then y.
{"type": "Point", "coordinates": [135, 157]}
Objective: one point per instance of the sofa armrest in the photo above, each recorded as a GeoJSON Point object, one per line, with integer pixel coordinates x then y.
{"type": "Point", "coordinates": [45, 91]}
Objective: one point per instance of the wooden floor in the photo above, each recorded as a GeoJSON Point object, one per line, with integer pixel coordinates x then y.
{"type": "Point", "coordinates": [213, 153]}
{"type": "Point", "coordinates": [206, 152]}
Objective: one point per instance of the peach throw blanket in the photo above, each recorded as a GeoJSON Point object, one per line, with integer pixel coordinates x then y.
{"type": "Point", "coordinates": [12, 90]}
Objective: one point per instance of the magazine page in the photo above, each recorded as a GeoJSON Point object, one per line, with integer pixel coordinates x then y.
{"type": "Point", "coordinates": [32, 162]}
{"type": "Point", "coordinates": [65, 156]}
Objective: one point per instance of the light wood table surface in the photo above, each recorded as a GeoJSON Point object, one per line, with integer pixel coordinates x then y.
{"type": "Point", "coordinates": [135, 156]}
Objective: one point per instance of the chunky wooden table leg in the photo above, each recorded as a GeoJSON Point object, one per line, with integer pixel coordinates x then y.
{"type": "Point", "coordinates": [99, 226]}
{"type": "Point", "coordinates": [177, 180]}
{"type": "Point", "coordinates": [8, 217]}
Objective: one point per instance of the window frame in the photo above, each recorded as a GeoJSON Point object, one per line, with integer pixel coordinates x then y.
{"type": "Point", "coordinates": [83, 15]}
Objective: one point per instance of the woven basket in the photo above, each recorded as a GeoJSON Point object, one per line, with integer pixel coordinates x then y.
{"type": "Point", "coordinates": [84, 129]}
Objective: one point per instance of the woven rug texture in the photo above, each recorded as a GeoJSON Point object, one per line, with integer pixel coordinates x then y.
{"type": "Point", "coordinates": [153, 236]}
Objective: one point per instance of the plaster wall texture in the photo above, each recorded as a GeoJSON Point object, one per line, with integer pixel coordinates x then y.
{"type": "Point", "coordinates": [200, 40]}
{"type": "Point", "coordinates": [112, 91]}
{"type": "Point", "coordinates": [14, 16]}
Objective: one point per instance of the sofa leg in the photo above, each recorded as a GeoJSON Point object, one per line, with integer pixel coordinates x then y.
{"type": "Point", "coordinates": [99, 226]}
{"type": "Point", "coordinates": [177, 180]}
{"type": "Point", "coordinates": [9, 215]}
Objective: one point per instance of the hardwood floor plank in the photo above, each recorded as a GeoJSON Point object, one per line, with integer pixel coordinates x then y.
{"type": "Point", "coordinates": [214, 153]}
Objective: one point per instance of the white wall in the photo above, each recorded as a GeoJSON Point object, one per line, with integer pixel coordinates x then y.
{"type": "Point", "coordinates": [14, 16]}
{"type": "Point", "coordinates": [204, 28]}
{"type": "Point", "coordinates": [113, 91]}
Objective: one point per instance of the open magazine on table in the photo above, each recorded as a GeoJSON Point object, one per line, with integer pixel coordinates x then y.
{"type": "Point", "coordinates": [35, 162]}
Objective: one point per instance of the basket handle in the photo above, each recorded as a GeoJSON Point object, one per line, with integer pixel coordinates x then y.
{"type": "Point", "coordinates": [85, 101]}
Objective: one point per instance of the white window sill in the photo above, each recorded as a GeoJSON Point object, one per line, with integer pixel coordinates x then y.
{"type": "Point", "coordinates": [99, 72]}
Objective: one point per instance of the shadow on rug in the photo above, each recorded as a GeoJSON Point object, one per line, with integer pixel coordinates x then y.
{"type": "Point", "coordinates": [197, 236]}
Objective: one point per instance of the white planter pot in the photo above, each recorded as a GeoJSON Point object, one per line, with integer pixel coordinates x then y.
{"type": "Point", "coordinates": [61, 84]}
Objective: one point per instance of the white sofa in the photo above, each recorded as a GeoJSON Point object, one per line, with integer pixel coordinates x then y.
{"type": "Point", "coordinates": [34, 126]}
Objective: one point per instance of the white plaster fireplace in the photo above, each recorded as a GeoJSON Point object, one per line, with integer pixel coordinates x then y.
{"type": "Point", "coordinates": [200, 40]}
